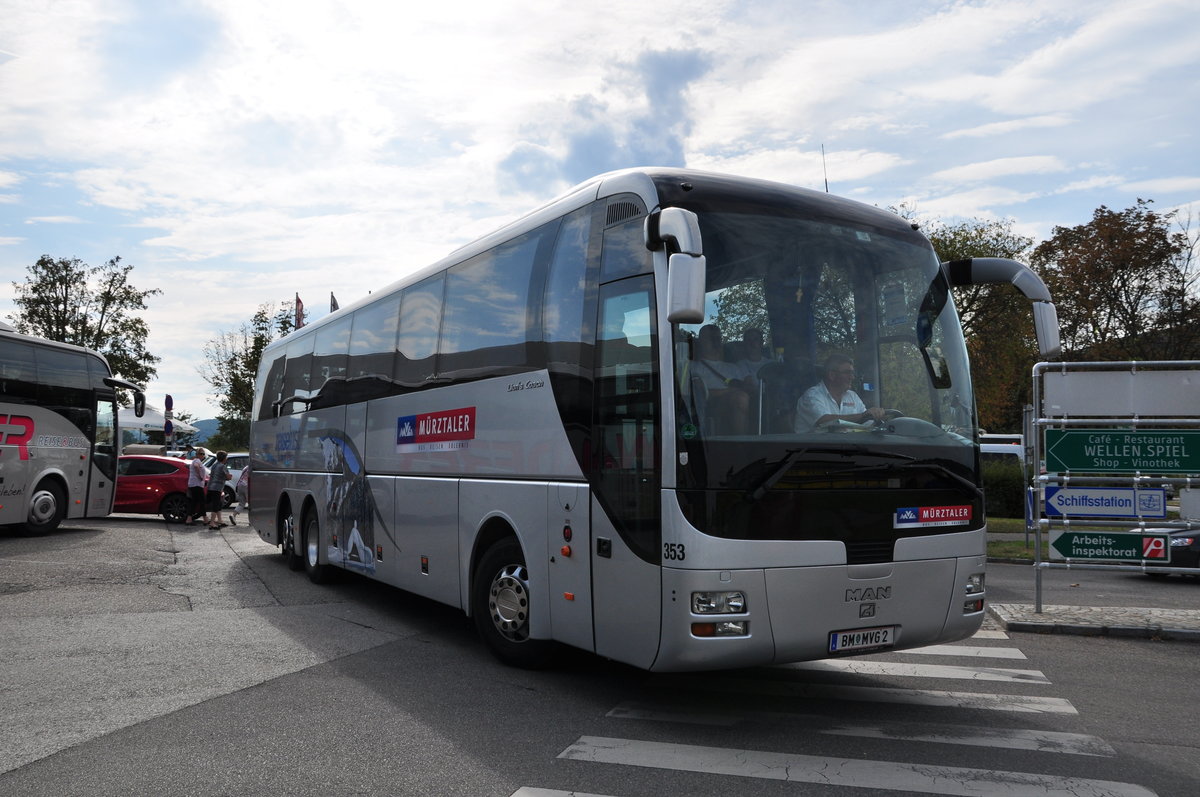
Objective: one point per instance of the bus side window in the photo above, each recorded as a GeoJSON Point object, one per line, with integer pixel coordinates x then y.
{"type": "Point", "coordinates": [18, 372]}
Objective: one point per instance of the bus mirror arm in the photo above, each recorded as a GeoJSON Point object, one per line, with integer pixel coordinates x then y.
{"type": "Point", "coordinates": [139, 397]}
{"type": "Point", "coordinates": [679, 231]}
{"type": "Point", "coordinates": [676, 228]}
{"type": "Point", "coordinates": [986, 270]}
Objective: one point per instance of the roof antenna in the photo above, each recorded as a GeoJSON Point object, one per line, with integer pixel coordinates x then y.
{"type": "Point", "coordinates": [825, 170]}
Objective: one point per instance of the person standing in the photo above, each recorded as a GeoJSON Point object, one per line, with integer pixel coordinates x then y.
{"type": "Point", "coordinates": [197, 478]}
{"type": "Point", "coordinates": [217, 478]}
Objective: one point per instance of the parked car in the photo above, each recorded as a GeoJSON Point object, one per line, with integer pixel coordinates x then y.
{"type": "Point", "coordinates": [235, 463]}
{"type": "Point", "coordinates": [1185, 550]}
{"type": "Point", "coordinates": [152, 485]}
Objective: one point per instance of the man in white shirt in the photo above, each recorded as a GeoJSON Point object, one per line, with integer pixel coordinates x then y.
{"type": "Point", "coordinates": [832, 400]}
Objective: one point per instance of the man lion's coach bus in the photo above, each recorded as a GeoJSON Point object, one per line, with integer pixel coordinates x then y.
{"type": "Point", "coordinates": [531, 429]}
{"type": "Point", "coordinates": [59, 439]}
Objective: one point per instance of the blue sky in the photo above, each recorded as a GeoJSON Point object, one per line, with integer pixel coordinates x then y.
{"type": "Point", "coordinates": [238, 151]}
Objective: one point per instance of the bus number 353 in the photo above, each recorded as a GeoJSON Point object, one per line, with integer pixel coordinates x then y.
{"type": "Point", "coordinates": [674, 551]}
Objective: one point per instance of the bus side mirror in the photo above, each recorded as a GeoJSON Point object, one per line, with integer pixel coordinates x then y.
{"type": "Point", "coordinates": [685, 289]}
{"type": "Point", "coordinates": [139, 404]}
{"type": "Point", "coordinates": [985, 270]}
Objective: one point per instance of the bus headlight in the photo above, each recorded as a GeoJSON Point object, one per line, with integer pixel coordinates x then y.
{"type": "Point", "coordinates": [975, 583]}
{"type": "Point", "coordinates": [718, 603]}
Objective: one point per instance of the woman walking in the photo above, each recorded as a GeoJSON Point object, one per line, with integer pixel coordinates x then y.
{"type": "Point", "coordinates": [216, 491]}
{"type": "Point", "coordinates": [197, 478]}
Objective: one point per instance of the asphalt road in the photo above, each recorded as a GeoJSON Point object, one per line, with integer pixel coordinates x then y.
{"type": "Point", "coordinates": [139, 658]}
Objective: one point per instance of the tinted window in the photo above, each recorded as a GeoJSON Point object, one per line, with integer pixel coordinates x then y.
{"type": "Point", "coordinates": [373, 339]}
{"type": "Point", "coordinates": [330, 350]}
{"type": "Point", "coordinates": [297, 372]}
{"type": "Point", "coordinates": [18, 372]}
{"type": "Point", "coordinates": [566, 284]}
{"type": "Point", "coordinates": [625, 252]}
{"type": "Point", "coordinates": [488, 306]}
{"type": "Point", "coordinates": [420, 317]}
{"type": "Point", "coordinates": [269, 388]}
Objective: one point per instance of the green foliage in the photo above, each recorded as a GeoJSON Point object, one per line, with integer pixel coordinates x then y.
{"type": "Point", "coordinates": [230, 366]}
{"type": "Point", "coordinates": [1123, 286]}
{"type": "Point", "coordinates": [92, 306]}
{"type": "Point", "coordinates": [1003, 487]}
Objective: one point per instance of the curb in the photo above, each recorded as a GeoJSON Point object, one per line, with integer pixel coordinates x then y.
{"type": "Point", "coordinates": [1050, 625]}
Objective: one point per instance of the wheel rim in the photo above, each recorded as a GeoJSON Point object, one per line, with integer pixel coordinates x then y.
{"type": "Point", "coordinates": [175, 510]}
{"type": "Point", "coordinates": [43, 507]}
{"type": "Point", "coordinates": [289, 534]}
{"type": "Point", "coordinates": [508, 602]}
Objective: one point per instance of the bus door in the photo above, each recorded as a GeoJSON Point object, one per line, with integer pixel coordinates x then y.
{"type": "Point", "coordinates": [626, 475]}
{"type": "Point", "coordinates": [103, 473]}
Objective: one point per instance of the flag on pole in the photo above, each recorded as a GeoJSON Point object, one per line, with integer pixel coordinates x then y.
{"type": "Point", "coordinates": [299, 312]}
{"type": "Point", "coordinates": [333, 305]}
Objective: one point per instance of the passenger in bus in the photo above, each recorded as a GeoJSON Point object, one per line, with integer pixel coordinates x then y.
{"type": "Point", "coordinates": [752, 352]}
{"type": "Point", "coordinates": [831, 400]}
{"type": "Point", "coordinates": [728, 389]}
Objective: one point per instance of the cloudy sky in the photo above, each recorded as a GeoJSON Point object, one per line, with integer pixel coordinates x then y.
{"type": "Point", "coordinates": [240, 151]}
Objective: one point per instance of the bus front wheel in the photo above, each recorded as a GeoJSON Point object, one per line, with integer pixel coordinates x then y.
{"type": "Point", "coordinates": [47, 508]}
{"type": "Point", "coordinates": [317, 572]}
{"type": "Point", "coordinates": [501, 606]}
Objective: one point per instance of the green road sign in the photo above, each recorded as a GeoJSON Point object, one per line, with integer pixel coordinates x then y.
{"type": "Point", "coordinates": [1123, 450]}
{"type": "Point", "coordinates": [1111, 545]}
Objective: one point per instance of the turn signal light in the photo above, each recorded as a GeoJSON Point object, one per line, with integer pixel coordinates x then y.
{"type": "Point", "coordinates": [724, 629]}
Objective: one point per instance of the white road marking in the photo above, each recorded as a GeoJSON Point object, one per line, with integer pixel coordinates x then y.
{"type": "Point", "coordinates": [963, 735]}
{"type": "Point", "coordinates": [869, 667]}
{"type": "Point", "coordinates": [973, 651]}
{"type": "Point", "coordinates": [988, 633]}
{"type": "Point", "coordinates": [875, 694]}
{"type": "Point", "coordinates": [825, 770]}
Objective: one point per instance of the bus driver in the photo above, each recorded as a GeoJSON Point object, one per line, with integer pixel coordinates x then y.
{"type": "Point", "coordinates": [831, 400]}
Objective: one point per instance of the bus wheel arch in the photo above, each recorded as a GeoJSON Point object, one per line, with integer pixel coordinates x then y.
{"type": "Point", "coordinates": [310, 541]}
{"type": "Point", "coordinates": [500, 599]}
{"type": "Point", "coordinates": [47, 506]}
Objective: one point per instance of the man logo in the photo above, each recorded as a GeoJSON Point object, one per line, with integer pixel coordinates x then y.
{"type": "Point", "coordinates": [866, 610]}
{"type": "Point", "coordinates": [868, 594]}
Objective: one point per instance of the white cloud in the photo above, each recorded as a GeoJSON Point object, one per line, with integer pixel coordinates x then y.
{"type": "Point", "coordinates": [1001, 167]}
{"type": "Point", "coordinates": [1011, 126]}
{"type": "Point", "coordinates": [54, 220]}
{"type": "Point", "coordinates": [1165, 185]}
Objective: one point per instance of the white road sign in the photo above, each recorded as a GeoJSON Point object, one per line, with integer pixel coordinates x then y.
{"type": "Point", "coordinates": [1116, 502]}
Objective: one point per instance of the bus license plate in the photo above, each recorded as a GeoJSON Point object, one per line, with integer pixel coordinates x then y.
{"type": "Point", "coordinates": [860, 638]}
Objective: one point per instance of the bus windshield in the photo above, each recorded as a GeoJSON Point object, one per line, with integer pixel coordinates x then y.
{"type": "Point", "coordinates": [807, 319]}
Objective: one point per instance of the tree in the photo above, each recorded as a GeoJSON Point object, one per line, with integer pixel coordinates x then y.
{"type": "Point", "coordinates": [231, 364]}
{"type": "Point", "coordinates": [1123, 286]}
{"type": "Point", "coordinates": [996, 320]}
{"type": "Point", "coordinates": [93, 306]}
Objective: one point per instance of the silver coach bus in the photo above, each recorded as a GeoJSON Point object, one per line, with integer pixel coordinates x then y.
{"type": "Point", "coordinates": [590, 428]}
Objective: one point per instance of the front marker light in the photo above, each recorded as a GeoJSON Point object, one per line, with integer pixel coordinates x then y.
{"type": "Point", "coordinates": [722, 628]}
{"type": "Point", "coordinates": [718, 603]}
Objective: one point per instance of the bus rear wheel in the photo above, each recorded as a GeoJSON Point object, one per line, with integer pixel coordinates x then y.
{"type": "Point", "coordinates": [47, 508]}
{"type": "Point", "coordinates": [317, 572]}
{"type": "Point", "coordinates": [501, 605]}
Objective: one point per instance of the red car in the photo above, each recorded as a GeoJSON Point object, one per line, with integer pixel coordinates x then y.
{"type": "Point", "coordinates": [153, 485]}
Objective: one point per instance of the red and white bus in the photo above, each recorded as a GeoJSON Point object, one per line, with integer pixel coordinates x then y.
{"type": "Point", "coordinates": [59, 439]}
{"type": "Point", "coordinates": [526, 429]}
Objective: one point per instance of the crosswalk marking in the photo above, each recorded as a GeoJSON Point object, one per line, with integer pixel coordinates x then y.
{"type": "Point", "coordinates": [971, 651]}
{"type": "Point", "coordinates": [963, 735]}
{"type": "Point", "coordinates": [527, 791]}
{"type": "Point", "coordinates": [876, 694]}
{"type": "Point", "coordinates": [825, 770]}
{"type": "Point", "coordinates": [870, 667]}
{"type": "Point", "coordinates": [989, 633]}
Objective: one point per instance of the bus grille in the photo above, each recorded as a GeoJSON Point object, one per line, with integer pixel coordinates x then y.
{"type": "Point", "coordinates": [869, 552]}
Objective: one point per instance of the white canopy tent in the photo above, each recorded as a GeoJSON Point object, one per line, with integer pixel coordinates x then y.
{"type": "Point", "coordinates": [152, 421]}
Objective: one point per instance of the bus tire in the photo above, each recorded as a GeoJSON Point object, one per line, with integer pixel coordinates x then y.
{"type": "Point", "coordinates": [47, 508]}
{"type": "Point", "coordinates": [287, 541]}
{"type": "Point", "coordinates": [500, 605]}
{"type": "Point", "coordinates": [317, 572]}
{"type": "Point", "coordinates": [175, 508]}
